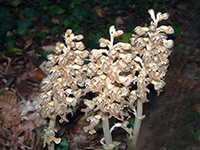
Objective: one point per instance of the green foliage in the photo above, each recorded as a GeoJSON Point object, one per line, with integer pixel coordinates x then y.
{"type": "Point", "coordinates": [30, 13]}
{"type": "Point", "coordinates": [45, 19]}
{"type": "Point", "coordinates": [77, 15]}
{"type": "Point", "coordinates": [6, 26]}
{"type": "Point", "coordinates": [125, 37]}
{"type": "Point", "coordinates": [8, 21]}
{"type": "Point", "coordinates": [5, 14]}
{"type": "Point", "coordinates": [15, 3]}
{"type": "Point", "coordinates": [67, 23]}
{"type": "Point", "coordinates": [10, 45]}
{"type": "Point", "coordinates": [42, 35]}
{"type": "Point", "coordinates": [131, 28]}
{"type": "Point", "coordinates": [131, 122]}
{"type": "Point", "coordinates": [76, 2]}
{"type": "Point", "coordinates": [196, 131]}
{"type": "Point", "coordinates": [43, 55]}
{"type": "Point", "coordinates": [56, 10]}
{"type": "Point", "coordinates": [94, 39]}
{"type": "Point", "coordinates": [10, 42]}
{"type": "Point", "coordinates": [63, 145]}
{"type": "Point", "coordinates": [43, 4]}
{"type": "Point", "coordinates": [14, 50]}
{"type": "Point", "coordinates": [144, 5]}
{"type": "Point", "coordinates": [23, 26]}
{"type": "Point", "coordinates": [105, 33]}
{"type": "Point", "coordinates": [196, 135]}
{"type": "Point", "coordinates": [178, 48]}
{"type": "Point", "coordinates": [55, 30]}
{"type": "Point", "coordinates": [119, 4]}
{"type": "Point", "coordinates": [177, 30]}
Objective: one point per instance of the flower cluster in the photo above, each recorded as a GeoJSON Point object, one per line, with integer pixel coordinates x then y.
{"type": "Point", "coordinates": [49, 136]}
{"type": "Point", "coordinates": [111, 72]}
{"type": "Point", "coordinates": [118, 73]}
{"type": "Point", "coordinates": [61, 88]}
{"type": "Point", "coordinates": [153, 50]}
{"type": "Point", "coordinates": [114, 71]}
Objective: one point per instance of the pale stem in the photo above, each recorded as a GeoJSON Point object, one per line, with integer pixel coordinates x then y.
{"type": "Point", "coordinates": [131, 142]}
{"type": "Point", "coordinates": [52, 124]}
{"type": "Point", "coordinates": [106, 131]}
{"type": "Point", "coordinates": [138, 121]}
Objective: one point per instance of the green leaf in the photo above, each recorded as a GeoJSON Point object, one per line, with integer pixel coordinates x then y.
{"type": "Point", "coordinates": [60, 11]}
{"type": "Point", "coordinates": [67, 23]}
{"type": "Point", "coordinates": [15, 3]}
{"type": "Point", "coordinates": [178, 48]}
{"type": "Point", "coordinates": [42, 35]}
{"type": "Point", "coordinates": [23, 26]}
{"type": "Point", "coordinates": [14, 50]}
{"type": "Point", "coordinates": [77, 15]}
{"type": "Point", "coordinates": [63, 145]}
{"type": "Point", "coordinates": [75, 26]}
{"type": "Point", "coordinates": [9, 42]}
{"type": "Point", "coordinates": [8, 21]}
{"type": "Point", "coordinates": [155, 5]}
{"type": "Point", "coordinates": [6, 26]}
{"type": "Point", "coordinates": [131, 122]}
{"type": "Point", "coordinates": [5, 14]}
{"type": "Point", "coordinates": [43, 55]}
{"type": "Point", "coordinates": [131, 28]}
{"type": "Point", "coordinates": [94, 39]}
{"type": "Point", "coordinates": [30, 12]}
{"type": "Point", "coordinates": [76, 2]}
{"type": "Point", "coordinates": [177, 30]}
{"type": "Point", "coordinates": [56, 10]}
{"type": "Point", "coordinates": [105, 33]}
{"type": "Point", "coordinates": [125, 37]}
{"type": "Point", "coordinates": [43, 4]}
{"type": "Point", "coordinates": [55, 30]}
{"type": "Point", "coordinates": [196, 135]}
{"type": "Point", "coordinates": [45, 19]}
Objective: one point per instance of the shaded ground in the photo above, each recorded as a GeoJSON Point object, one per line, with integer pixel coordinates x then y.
{"type": "Point", "coordinates": [172, 120]}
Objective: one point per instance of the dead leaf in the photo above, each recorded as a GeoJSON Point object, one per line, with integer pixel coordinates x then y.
{"type": "Point", "coordinates": [36, 74]}
{"type": "Point", "coordinates": [48, 48]}
{"type": "Point", "coordinates": [55, 20]}
{"type": "Point", "coordinates": [9, 97]}
{"type": "Point", "coordinates": [28, 43]}
{"type": "Point", "coordinates": [10, 115]}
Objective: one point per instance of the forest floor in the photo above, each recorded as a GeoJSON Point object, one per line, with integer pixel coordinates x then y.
{"type": "Point", "coordinates": [172, 119]}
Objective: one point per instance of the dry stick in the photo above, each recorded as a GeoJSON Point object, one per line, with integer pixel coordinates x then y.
{"type": "Point", "coordinates": [131, 142]}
